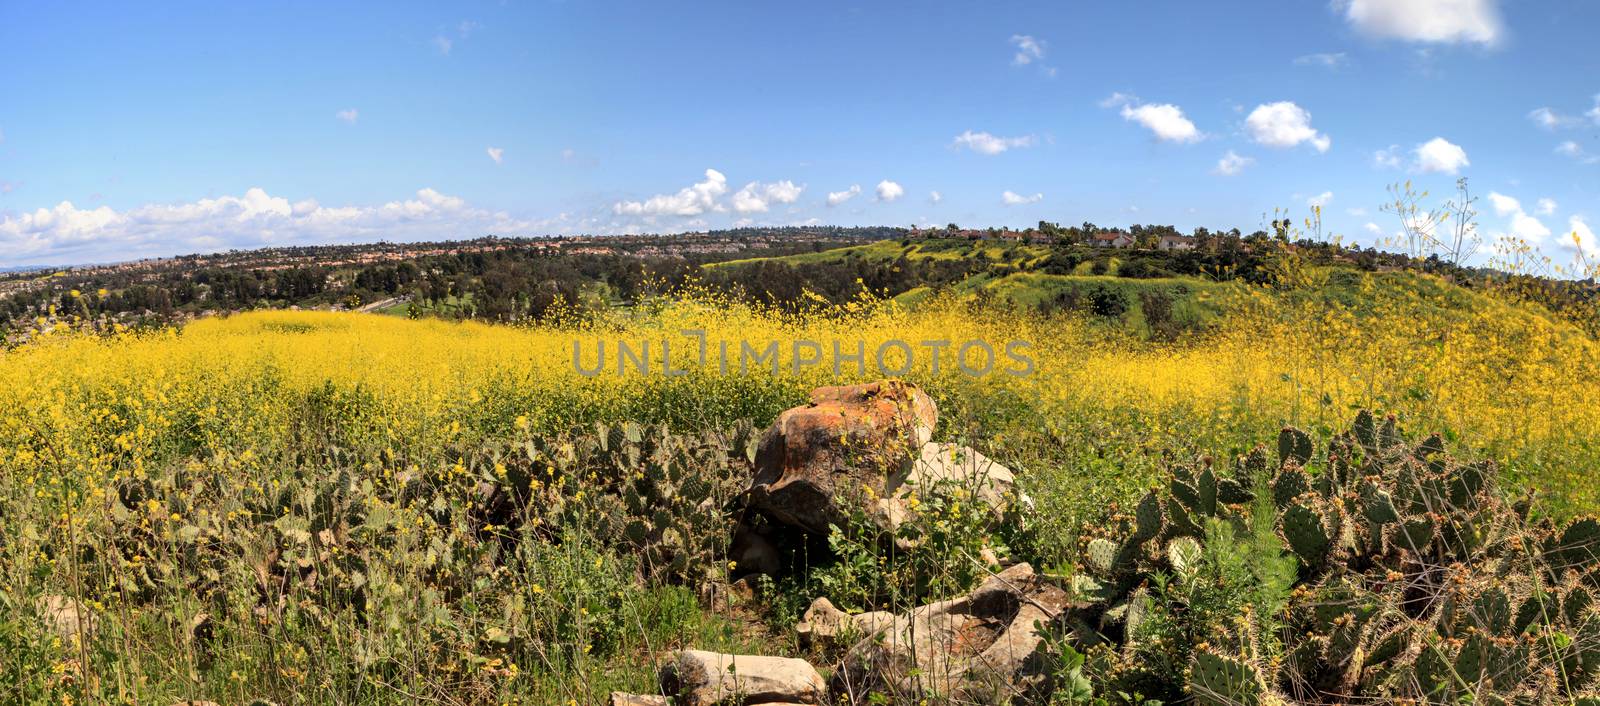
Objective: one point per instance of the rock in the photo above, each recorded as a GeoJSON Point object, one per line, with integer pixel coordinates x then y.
{"type": "Point", "coordinates": [68, 617]}
{"type": "Point", "coordinates": [825, 625]}
{"type": "Point", "coordinates": [968, 649]}
{"type": "Point", "coordinates": [819, 461]}
{"type": "Point", "coordinates": [620, 699]}
{"type": "Point", "coordinates": [699, 678]}
{"type": "Point", "coordinates": [941, 465]}
{"type": "Point", "coordinates": [752, 553]}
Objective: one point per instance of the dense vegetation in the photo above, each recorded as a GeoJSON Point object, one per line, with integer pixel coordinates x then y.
{"type": "Point", "coordinates": [311, 506]}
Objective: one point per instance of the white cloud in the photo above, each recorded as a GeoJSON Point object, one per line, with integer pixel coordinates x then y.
{"type": "Point", "coordinates": [1441, 156]}
{"type": "Point", "coordinates": [1546, 207]}
{"type": "Point", "coordinates": [1594, 113]}
{"type": "Point", "coordinates": [985, 143]}
{"type": "Point", "coordinates": [496, 153]}
{"type": "Point", "coordinates": [254, 219]}
{"type": "Point", "coordinates": [756, 197]}
{"type": "Point", "coordinates": [1446, 21]}
{"type": "Point", "coordinates": [1582, 237]}
{"type": "Point", "coordinates": [1387, 158]}
{"type": "Point", "coordinates": [838, 197]}
{"type": "Point", "coordinates": [1521, 224]}
{"type": "Point", "coordinates": [1373, 228]}
{"type": "Point", "coordinates": [1577, 152]}
{"type": "Point", "coordinates": [1165, 120]}
{"type": "Point", "coordinates": [1011, 198]}
{"type": "Point", "coordinates": [935, 197]}
{"type": "Point", "coordinates": [348, 115]}
{"type": "Point", "coordinates": [7, 187]}
{"type": "Point", "coordinates": [1284, 124]}
{"type": "Point", "coordinates": [1528, 228]}
{"type": "Point", "coordinates": [1320, 200]}
{"type": "Point", "coordinates": [443, 44]}
{"type": "Point", "coordinates": [889, 191]}
{"type": "Point", "coordinates": [1233, 163]}
{"type": "Point", "coordinates": [1118, 99]}
{"type": "Point", "coordinates": [1029, 49]}
{"type": "Point", "coordinates": [1329, 60]}
{"type": "Point", "coordinates": [1504, 205]}
{"type": "Point", "coordinates": [1549, 119]}
{"type": "Point", "coordinates": [689, 201]}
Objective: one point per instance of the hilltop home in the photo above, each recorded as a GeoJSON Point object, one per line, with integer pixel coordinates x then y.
{"type": "Point", "coordinates": [1111, 239]}
{"type": "Point", "coordinates": [1175, 242]}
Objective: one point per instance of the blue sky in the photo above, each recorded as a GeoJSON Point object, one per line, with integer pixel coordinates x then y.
{"type": "Point", "coordinates": [130, 131]}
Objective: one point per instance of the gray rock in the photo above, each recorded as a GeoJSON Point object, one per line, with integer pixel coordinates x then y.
{"type": "Point", "coordinates": [968, 649]}
{"type": "Point", "coordinates": [68, 617]}
{"type": "Point", "coordinates": [623, 699]}
{"type": "Point", "coordinates": [825, 625]}
{"type": "Point", "coordinates": [699, 678]}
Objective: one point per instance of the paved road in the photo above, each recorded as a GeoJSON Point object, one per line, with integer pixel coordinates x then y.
{"type": "Point", "coordinates": [381, 303]}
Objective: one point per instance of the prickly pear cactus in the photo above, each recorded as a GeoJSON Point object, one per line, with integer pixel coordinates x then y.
{"type": "Point", "coordinates": [1417, 580]}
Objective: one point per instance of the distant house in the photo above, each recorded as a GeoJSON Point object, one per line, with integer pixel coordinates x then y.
{"type": "Point", "coordinates": [1175, 242]}
{"type": "Point", "coordinates": [1111, 239]}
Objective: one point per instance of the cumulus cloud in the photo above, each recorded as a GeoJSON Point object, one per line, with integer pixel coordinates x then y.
{"type": "Point", "coordinates": [1520, 225]}
{"type": "Point", "coordinates": [1011, 198]}
{"type": "Point", "coordinates": [1504, 205]}
{"type": "Point", "coordinates": [1232, 163]}
{"type": "Point", "coordinates": [756, 197]}
{"type": "Point", "coordinates": [935, 197]}
{"type": "Point", "coordinates": [1320, 200]}
{"type": "Point", "coordinates": [985, 143]}
{"type": "Point", "coordinates": [1284, 124]}
{"type": "Point", "coordinates": [1434, 21]}
{"type": "Point", "coordinates": [1163, 119]}
{"type": "Point", "coordinates": [838, 197]}
{"type": "Point", "coordinates": [1373, 228]}
{"type": "Point", "coordinates": [443, 44]}
{"type": "Point", "coordinates": [1528, 228]}
{"type": "Point", "coordinates": [1328, 60]}
{"type": "Point", "coordinates": [253, 219]}
{"type": "Point", "coordinates": [1028, 49]}
{"type": "Point", "coordinates": [689, 201]}
{"type": "Point", "coordinates": [1439, 155]}
{"type": "Point", "coordinates": [496, 153]}
{"type": "Point", "coordinates": [348, 115]}
{"type": "Point", "coordinates": [1582, 237]}
{"type": "Point", "coordinates": [1546, 207]}
{"type": "Point", "coordinates": [889, 191]}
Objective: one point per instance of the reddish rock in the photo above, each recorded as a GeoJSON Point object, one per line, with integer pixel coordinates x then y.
{"type": "Point", "coordinates": [850, 447]}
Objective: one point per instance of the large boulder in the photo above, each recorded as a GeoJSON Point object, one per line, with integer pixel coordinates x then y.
{"type": "Point", "coordinates": [819, 461]}
{"type": "Point", "coordinates": [863, 448]}
{"type": "Point", "coordinates": [970, 649]}
{"type": "Point", "coordinates": [699, 678]}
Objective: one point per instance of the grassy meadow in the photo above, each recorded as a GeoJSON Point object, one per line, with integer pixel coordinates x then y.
{"type": "Point", "coordinates": [290, 506]}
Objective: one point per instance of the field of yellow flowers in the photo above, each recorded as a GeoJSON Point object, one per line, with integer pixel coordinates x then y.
{"type": "Point", "coordinates": [158, 484]}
